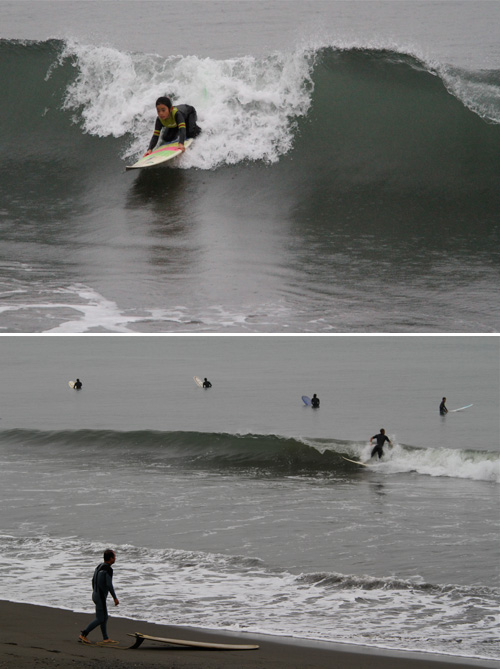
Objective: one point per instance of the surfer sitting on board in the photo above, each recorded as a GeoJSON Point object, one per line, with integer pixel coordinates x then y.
{"type": "Point", "coordinates": [315, 401]}
{"type": "Point", "coordinates": [381, 439]}
{"type": "Point", "coordinates": [442, 407]}
{"type": "Point", "coordinates": [177, 123]}
{"type": "Point", "coordinates": [206, 383]}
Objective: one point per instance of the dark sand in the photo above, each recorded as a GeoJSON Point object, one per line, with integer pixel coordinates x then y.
{"type": "Point", "coordinates": [37, 637]}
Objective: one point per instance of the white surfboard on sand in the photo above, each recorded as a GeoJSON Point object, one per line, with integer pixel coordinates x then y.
{"type": "Point", "coordinates": [140, 638]}
{"type": "Point", "coordinates": [160, 155]}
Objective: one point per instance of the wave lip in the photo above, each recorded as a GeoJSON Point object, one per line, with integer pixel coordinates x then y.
{"type": "Point", "coordinates": [281, 455]}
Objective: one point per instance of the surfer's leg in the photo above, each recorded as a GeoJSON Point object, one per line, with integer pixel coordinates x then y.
{"type": "Point", "coordinates": [169, 135]}
{"type": "Point", "coordinates": [192, 129]}
{"type": "Point", "coordinates": [102, 615]}
{"type": "Point", "coordinates": [98, 620]}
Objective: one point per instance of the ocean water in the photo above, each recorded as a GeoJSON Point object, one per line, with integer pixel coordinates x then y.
{"type": "Point", "coordinates": [346, 179]}
{"type": "Point", "coordinates": [233, 508]}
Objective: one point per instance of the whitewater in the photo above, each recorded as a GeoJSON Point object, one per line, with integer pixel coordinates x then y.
{"type": "Point", "coordinates": [233, 507]}
{"type": "Point", "coordinates": [249, 105]}
{"type": "Point", "coordinates": [243, 595]}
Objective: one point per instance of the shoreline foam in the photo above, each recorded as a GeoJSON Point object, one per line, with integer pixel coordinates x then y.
{"type": "Point", "coordinates": [46, 637]}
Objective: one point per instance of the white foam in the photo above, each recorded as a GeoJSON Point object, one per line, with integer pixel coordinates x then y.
{"type": "Point", "coordinates": [236, 593]}
{"type": "Point", "coordinates": [79, 308]}
{"type": "Point", "coordinates": [474, 465]}
{"type": "Point", "coordinates": [247, 106]}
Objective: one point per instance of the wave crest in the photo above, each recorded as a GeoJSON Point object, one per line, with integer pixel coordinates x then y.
{"type": "Point", "coordinates": [275, 454]}
{"type": "Point", "coordinates": [364, 109]}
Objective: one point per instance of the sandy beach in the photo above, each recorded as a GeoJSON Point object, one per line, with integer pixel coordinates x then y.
{"type": "Point", "coordinates": [37, 636]}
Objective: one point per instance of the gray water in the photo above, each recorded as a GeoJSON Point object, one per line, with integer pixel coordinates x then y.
{"type": "Point", "coordinates": [461, 33]}
{"type": "Point", "coordinates": [328, 192]}
{"type": "Point", "coordinates": [233, 508]}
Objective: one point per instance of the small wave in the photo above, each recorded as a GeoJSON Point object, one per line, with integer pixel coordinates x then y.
{"type": "Point", "coordinates": [281, 455]}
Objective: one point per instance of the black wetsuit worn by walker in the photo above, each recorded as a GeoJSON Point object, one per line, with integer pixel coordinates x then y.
{"type": "Point", "coordinates": [180, 125]}
{"type": "Point", "coordinates": [102, 583]}
{"type": "Point", "coordinates": [378, 449]}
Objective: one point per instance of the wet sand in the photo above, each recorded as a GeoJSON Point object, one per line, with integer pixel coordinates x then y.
{"type": "Point", "coordinates": [37, 637]}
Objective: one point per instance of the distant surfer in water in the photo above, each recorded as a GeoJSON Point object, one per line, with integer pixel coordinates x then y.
{"type": "Point", "coordinates": [442, 407]}
{"type": "Point", "coordinates": [78, 385]}
{"type": "Point", "coordinates": [381, 438]}
{"type": "Point", "coordinates": [315, 401]}
{"type": "Point", "coordinates": [206, 383]}
{"type": "Point", "coordinates": [177, 123]}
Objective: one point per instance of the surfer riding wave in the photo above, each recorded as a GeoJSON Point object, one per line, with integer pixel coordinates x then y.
{"type": "Point", "coordinates": [177, 123]}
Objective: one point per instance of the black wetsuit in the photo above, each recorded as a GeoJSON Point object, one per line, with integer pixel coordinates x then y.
{"type": "Point", "coordinates": [102, 583]}
{"type": "Point", "coordinates": [78, 385]}
{"type": "Point", "coordinates": [207, 384]}
{"type": "Point", "coordinates": [378, 449]}
{"type": "Point", "coordinates": [180, 127]}
{"type": "Point", "coordinates": [442, 409]}
{"type": "Point", "coordinates": [315, 402]}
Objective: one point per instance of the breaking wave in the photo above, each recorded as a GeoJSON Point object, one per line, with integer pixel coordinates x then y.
{"type": "Point", "coordinates": [275, 454]}
{"type": "Point", "coordinates": [365, 112]}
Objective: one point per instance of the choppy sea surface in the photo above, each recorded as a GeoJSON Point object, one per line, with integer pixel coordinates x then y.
{"type": "Point", "coordinates": [346, 179]}
{"type": "Point", "coordinates": [233, 508]}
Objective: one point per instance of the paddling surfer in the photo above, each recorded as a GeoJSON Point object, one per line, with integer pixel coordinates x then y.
{"type": "Point", "coordinates": [381, 438]}
{"type": "Point", "coordinates": [173, 123]}
{"type": "Point", "coordinates": [102, 584]}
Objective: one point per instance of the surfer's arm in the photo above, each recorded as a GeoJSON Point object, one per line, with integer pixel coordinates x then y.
{"type": "Point", "coordinates": [155, 137]}
{"type": "Point", "coordinates": [109, 587]}
{"type": "Point", "coordinates": [181, 125]}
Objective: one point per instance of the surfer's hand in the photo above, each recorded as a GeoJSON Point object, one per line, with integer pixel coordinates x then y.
{"type": "Point", "coordinates": [181, 147]}
{"type": "Point", "coordinates": [148, 152]}
{"type": "Point", "coordinates": [116, 602]}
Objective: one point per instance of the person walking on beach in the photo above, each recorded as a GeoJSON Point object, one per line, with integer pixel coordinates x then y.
{"type": "Point", "coordinates": [102, 584]}
{"type": "Point", "coordinates": [315, 401]}
{"type": "Point", "coordinates": [381, 439]}
{"type": "Point", "coordinates": [442, 407]}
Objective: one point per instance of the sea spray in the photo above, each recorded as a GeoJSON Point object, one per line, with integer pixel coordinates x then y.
{"type": "Point", "coordinates": [247, 105]}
